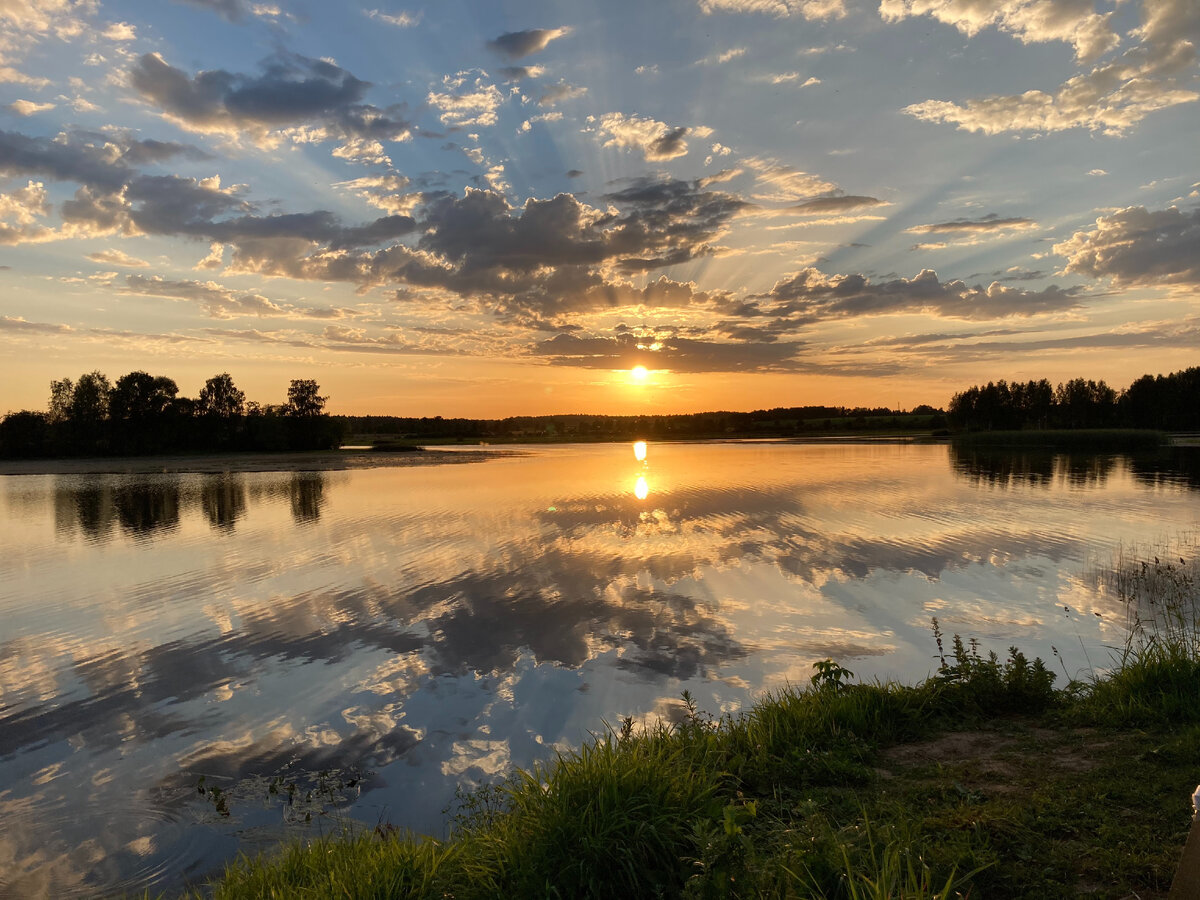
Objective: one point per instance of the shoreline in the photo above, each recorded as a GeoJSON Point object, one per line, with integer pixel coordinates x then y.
{"type": "Point", "coordinates": [228, 463]}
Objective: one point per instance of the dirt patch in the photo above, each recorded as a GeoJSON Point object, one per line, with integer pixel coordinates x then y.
{"type": "Point", "coordinates": [997, 761]}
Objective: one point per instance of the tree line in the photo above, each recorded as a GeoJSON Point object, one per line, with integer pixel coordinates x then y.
{"type": "Point", "coordinates": [1164, 402]}
{"type": "Point", "coordinates": [142, 414]}
{"type": "Point", "coordinates": [777, 422]}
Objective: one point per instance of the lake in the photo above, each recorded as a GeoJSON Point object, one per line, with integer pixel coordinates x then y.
{"type": "Point", "coordinates": [193, 666]}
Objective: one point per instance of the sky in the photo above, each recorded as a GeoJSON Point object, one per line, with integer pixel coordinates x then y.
{"type": "Point", "coordinates": [502, 208]}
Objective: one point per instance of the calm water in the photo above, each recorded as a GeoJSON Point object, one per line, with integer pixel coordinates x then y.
{"type": "Point", "coordinates": [325, 647]}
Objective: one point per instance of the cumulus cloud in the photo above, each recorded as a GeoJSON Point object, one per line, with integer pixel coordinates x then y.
{"type": "Point", "coordinates": [808, 9]}
{"type": "Point", "coordinates": [1110, 98]}
{"type": "Point", "coordinates": [1138, 246]}
{"type": "Point", "coordinates": [810, 296]}
{"type": "Point", "coordinates": [656, 140]}
{"type": "Point", "coordinates": [469, 100]}
{"type": "Point", "coordinates": [28, 107]}
{"type": "Point", "coordinates": [292, 91]}
{"type": "Point", "coordinates": [517, 44]}
{"type": "Point", "coordinates": [1031, 21]}
{"type": "Point", "coordinates": [21, 212]}
{"type": "Point", "coordinates": [1106, 100]}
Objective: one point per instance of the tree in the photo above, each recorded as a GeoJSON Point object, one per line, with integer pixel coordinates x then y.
{"type": "Point", "coordinates": [141, 412]}
{"type": "Point", "coordinates": [60, 400]}
{"type": "Point", "coordinates": [88, 411]}
{"type": "Point", "coordinates": [304, 399]}
{"type": "Point", "coordinates": [219, 397]}
{"type": "Point", "coordinates": [140, 397]}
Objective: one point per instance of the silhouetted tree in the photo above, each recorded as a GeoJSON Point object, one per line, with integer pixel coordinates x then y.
{"type": "Point", "coordinates": [219, 397]}
{"type": "Point", "coordinates": [24, 434]}
{"type": "Point", "coordinates": [140, 412]}
{"type": "Point", "coordinates": [304, 398]}
{"type": "Point", "coordinates": [88, 412]}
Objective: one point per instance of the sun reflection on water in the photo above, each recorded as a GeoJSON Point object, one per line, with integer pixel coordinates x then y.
{"type": "Point", "coordinates": [641, 489]}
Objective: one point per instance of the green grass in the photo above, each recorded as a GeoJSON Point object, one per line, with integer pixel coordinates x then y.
{"type": "Point", "coordinates": [1113, 440]}
{"type": "Point", "coordinates": [983, 781]}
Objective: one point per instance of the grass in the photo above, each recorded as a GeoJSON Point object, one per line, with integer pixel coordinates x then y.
{"type": "Point", "coordinates": [984, 781]}
{"type": "Point", "coordinates": [1093, 440]}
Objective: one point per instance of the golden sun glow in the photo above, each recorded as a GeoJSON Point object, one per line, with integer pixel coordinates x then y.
{"type": "Point", "coordinates": [639, 451]}
{"type": "Point", "coordinates": [639, 374]}
{"type": "Point", "coordinates": [641, 489]}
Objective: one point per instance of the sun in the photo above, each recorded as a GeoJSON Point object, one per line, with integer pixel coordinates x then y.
{"type": "Point", "coordinates": [639, 374]}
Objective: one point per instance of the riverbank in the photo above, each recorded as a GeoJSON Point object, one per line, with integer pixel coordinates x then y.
{"type": "Point", "coordinates": [982, 781]}
{"type": "Point", "coordinates": [218, 463]}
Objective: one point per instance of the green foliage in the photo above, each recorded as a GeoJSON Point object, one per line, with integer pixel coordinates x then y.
{"type": "Point", "coordinates": [968, 682]}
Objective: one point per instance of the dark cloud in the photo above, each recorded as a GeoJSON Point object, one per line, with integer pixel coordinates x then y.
{"type": "Point", "coordinates": [991, 222]}
{"type": "Point", "coordinates": [292, 90]}
{"type": "Point", "coordinates": [517, 73]}
{"type": "Point", "coordinates": [826, 205]}
{"type": "Point", "coordinates": [812, 296]}
{"type": "Point", "coordinates": [1138, 246]}
{"type": "Point", "coordinates": [516, 44]}
{"type": "Point", "coordinates": [70, 159]}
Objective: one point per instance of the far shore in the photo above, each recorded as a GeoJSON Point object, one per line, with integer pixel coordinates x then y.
{"type": "Point", "coordinates": [218, 463]}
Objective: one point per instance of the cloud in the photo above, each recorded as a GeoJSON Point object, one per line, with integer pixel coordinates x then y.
{"type": "Point", "coordinates": [236, 10]}
{"type": "Point", "coordinates": [476, 105]}
{"type": "Point", "coordinates": [988, 223]}
{"type": "Point", "coordinates": [28, 107]}
{"type": "Point", "coordinates": [518, 73]}
{"type": "Point", "coordinates": [9, 75]}
{"type": "Point", "coordinates": [790, 78]}
{"type": "Point", "coordinates": [811, 296]}
{"type": "Point", "coordinates": [839, 203]}
{"type": "Point", "coordinates": [292, 91]}
{"type": "Point", "coordinates": [783, 183]}
{"type": "Point", "coordinates": [1086, 101]}
{"type": "Point", "coordinates": [656, 140]}
{"type": "Point", "coordinates": [808, 9]}
{"type": "Point", "coordinates": [674, 353]}
{"type": "Point", "coordinates": [560, 91]}
{"type": "Point", "coordinates": [21, 213]}
{"type": "Point", "coordinates": [1031, 21]}
{"type": "Point", "coordinates": [1110, 98]}
{"type": "Point", "coordinates": [400, 19]}
{"type": "Point", "coordinates": [517, 44]}
{"type": "Point", "coordinates": [120, 31]}
{"type": "Point", "coordinates": [9, 323]}
{"type": "Point", "coordinates": [1138, 246]}
{"type": "Point", "coordinates": [117, 258]}
{"type": "Point", "coordinates": [718, 59]}
{"type": "Point", "coordinates": [219, 302]}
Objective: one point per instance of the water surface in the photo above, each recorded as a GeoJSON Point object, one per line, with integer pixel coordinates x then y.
{"type": "Point", "coordinates": [352, 646]}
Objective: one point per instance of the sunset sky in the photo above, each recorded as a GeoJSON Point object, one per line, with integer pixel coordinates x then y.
{"type": "Point", "coordinates": [489, 209]}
